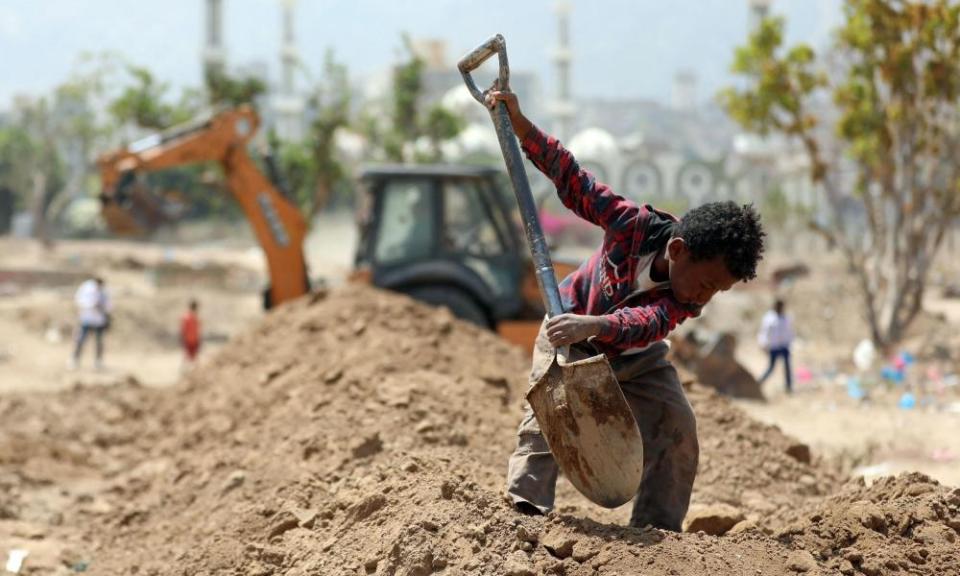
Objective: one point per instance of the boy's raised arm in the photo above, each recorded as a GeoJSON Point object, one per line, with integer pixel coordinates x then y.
{"type": "Point", "coordinates": [578, 189]}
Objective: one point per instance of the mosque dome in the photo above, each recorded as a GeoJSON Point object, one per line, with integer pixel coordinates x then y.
{"type": "Point", "coordinates": [459, 101]}
{"type": "Point", "coordinates": [478, 139]}
{"type": "Point", "coordinates": [594, 144]}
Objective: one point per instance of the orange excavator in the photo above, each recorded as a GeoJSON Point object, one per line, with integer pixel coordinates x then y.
{"type": "Point", "coordinates": [278, 225]}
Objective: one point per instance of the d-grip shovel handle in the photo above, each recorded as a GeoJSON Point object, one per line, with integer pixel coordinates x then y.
{"type": "Point", "coordinates": [495, 45]}
{"type": "Point", "coordinates": [543, 266]}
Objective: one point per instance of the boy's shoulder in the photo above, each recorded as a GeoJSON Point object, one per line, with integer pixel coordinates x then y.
{"type": "Point", "coordinates": [661, 214]}
{"type": "Point", "coordinates": [658, 228]}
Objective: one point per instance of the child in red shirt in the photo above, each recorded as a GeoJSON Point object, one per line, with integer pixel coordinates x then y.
{"type": "Point", "coordinates": [190, 332]}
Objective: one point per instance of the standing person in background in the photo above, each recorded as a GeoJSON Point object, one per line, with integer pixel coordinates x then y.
{"type": "Point", "coordinates": [93, 307]}
{"type": "Point", "coordinates": [190, 333]}
{"type": "Point", "coordinates": [776, 335]}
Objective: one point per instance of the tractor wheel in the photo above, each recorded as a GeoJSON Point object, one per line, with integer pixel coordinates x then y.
{"type": "Point", "coordinates": [459, 302]}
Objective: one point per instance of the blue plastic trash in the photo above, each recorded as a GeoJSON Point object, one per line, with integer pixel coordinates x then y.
{"type": "Point", "coordinates": [854, 390]}
{"type": "Point", "coordinates": [907, 401]}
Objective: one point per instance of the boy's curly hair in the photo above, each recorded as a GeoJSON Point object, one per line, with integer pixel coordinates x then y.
{"type": "Point", "coordinates": [724, 229]}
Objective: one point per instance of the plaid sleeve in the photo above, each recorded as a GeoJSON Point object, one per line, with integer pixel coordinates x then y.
{"type": "Point", "coordinates": [577, 188]}
{"type": "Point", "coordinates": [635, 327]}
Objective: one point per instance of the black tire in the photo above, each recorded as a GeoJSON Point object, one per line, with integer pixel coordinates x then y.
{"type": "Point", "coordinates": [459, 302]}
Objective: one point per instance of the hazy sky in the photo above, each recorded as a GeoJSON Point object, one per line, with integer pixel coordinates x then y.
{"type": "Point", "coordinates": [622, 48]}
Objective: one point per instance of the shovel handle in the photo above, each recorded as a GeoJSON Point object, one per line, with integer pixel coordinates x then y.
{"type": "Point", "coordinates": [543, 265]}
{"type": "Point", "coordinates": [495, 45]}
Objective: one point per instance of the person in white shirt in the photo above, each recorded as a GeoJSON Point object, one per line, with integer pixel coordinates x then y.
{"type": "Point", "coordinates": [776, 335]}
{"type": "Point", "coordinates": [93, 307]}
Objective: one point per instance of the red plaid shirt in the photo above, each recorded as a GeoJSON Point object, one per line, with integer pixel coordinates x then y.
{"type": "Point", "coordinates": [604, 284]}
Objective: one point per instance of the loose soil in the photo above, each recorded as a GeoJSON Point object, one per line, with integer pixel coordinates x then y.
{"type": "Point", "coordinates": [363, 433]}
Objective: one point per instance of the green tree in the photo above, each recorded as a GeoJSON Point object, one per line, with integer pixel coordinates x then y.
{"type": "Point", "coordinates": [142, 102]}
{"type": "Point", "coordinates": [19, 160]}
{"type": "Point", "coordinates": [896, 118]}
{"type": "Point", "coordinates": [30, 162]}
{"type": "Point", "coordinates": [313, 169]}
{"type": "Point", "coordinates": [439, 126]}
{"type": "Point", "coordinates": [407, 90]}
{"type": "Point", "coordinates": [407, 120]}
{"type": "Point", "coordinates": [331, 105]}
{"type": "Point", "coordinates": [226, 90]}
{"type": "Point", "coordinates": [775, 208]}
{"type": "Point", "coordinates": [80, 97]}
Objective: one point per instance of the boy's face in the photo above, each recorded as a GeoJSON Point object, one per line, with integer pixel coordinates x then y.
{"type": "Point", "coordinates": [696, 282]}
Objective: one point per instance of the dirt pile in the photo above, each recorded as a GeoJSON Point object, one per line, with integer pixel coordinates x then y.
{"type": "Point", "coordinates": [751, 465]}
{"type": "Point", "coordinates": [363, 433]}
{"type": "Point", "coordinates": [908, 523]}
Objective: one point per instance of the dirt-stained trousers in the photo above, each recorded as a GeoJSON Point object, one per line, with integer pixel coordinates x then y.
{"type": "Point", "coordinates": [667, 425]}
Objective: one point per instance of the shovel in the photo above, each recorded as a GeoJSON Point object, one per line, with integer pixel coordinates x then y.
{"type": "Point", "coordinates": [579, 405]}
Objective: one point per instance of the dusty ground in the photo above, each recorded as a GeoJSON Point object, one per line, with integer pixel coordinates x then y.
{"type": "Point", "coordinates": [150, 285]}
{"type": "Point", "coordinates": [361, 433]}
{"type": "Point", "coordinates": [297, 451]}
{"type": "Point", "coordinates": [37, 322]}
{"type": "Point", "coordinates": [874, 437]}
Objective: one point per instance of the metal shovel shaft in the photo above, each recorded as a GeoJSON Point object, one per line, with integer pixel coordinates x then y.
{"type": "Point", "coordinates": [543, 265]}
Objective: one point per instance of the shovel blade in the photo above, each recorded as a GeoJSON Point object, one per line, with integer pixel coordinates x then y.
{"type": "Point", "coordinates": [590, 429]}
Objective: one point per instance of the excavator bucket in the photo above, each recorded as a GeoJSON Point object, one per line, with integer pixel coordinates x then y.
{"type": "Point", "coordinates": [590, 429]}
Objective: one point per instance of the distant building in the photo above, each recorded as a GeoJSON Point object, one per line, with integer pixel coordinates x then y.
{"type": "Point", "coordinates": [562, 108]}
{"type": "Point", "coordinates": [684, 96]}
{"type": "Point", "coordinates": [288, 103]}
{"type": "Point", "coordinates": [214, 55]}
{"type": "Point", "coordinates": [283, 108]}
{"type": "Point", "coordinates": [440, 77]}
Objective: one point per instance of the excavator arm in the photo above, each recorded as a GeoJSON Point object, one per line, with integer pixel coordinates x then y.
{"type": "Point", "coordinates": [278, 225]}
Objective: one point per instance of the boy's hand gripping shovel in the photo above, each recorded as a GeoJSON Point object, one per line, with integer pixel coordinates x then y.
{"type": "Point", "coordinates": [579, 405]}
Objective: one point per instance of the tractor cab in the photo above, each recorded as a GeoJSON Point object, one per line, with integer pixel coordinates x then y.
{"type": "Point", "coordinates": [445, 235]}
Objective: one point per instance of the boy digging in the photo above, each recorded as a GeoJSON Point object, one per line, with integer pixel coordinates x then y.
{"type": "Point", "coordinates": [651, 273]}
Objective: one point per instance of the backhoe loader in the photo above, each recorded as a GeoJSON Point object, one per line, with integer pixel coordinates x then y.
{"type": "Point", "coordinates": [223, 137]}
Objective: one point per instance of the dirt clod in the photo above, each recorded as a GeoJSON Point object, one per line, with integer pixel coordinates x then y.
{"type": "Point", "coordinates": [558, 544]}
{"type": "Point", "coordinates": [801, 561]}
{"type": "Point", "coordinates": [715, 520]}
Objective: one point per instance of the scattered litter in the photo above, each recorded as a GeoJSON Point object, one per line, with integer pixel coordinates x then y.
{"type": "Point", "coordinates": [53, 335]}
{"type": "Point", "coordinates": [871, 473]}
{"type": "Point", "coordinates": [15, 559]}
{"type": "Point", "coordinates": [854, 389]}
{"type": "Point", "coordinates": [944, 455]}
{"type": "Point", "coordinates": [907, 401]}
{"type": "Point", "coordinates": [864, 355]}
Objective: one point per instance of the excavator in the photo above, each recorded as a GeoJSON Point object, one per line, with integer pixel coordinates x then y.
{"type": "Point", "coordinates": [280, 229]}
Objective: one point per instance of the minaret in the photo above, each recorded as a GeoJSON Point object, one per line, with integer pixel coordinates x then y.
{"type": "Point", "coordinates": [759, 9]}
{"type": "Point", "coordinates": [562, 108]}
{"type": "Point", "coordinates": [288, 104]}
{"type": "Point", "coordinates": [214, 57]}
{"type": "Point", "coordinates": [684, 97]}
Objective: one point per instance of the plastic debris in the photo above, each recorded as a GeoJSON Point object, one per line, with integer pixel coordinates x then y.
{"type": "Point", "coordinates": [15, 559]}
{"type": "Point", "coordinates": [854, 389]}
{"type": "Point", "coordinates": [908, 401]}
{"type": "Point", "coordinates": [864, 355]}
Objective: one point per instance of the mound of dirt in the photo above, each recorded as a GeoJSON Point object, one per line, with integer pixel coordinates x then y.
{"type": "Point", "coordinates": [364, 433]}
{"type": "Point", "coordinates": [909, 523]}
{"type": "Point", "coordinates": [751, 465]}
